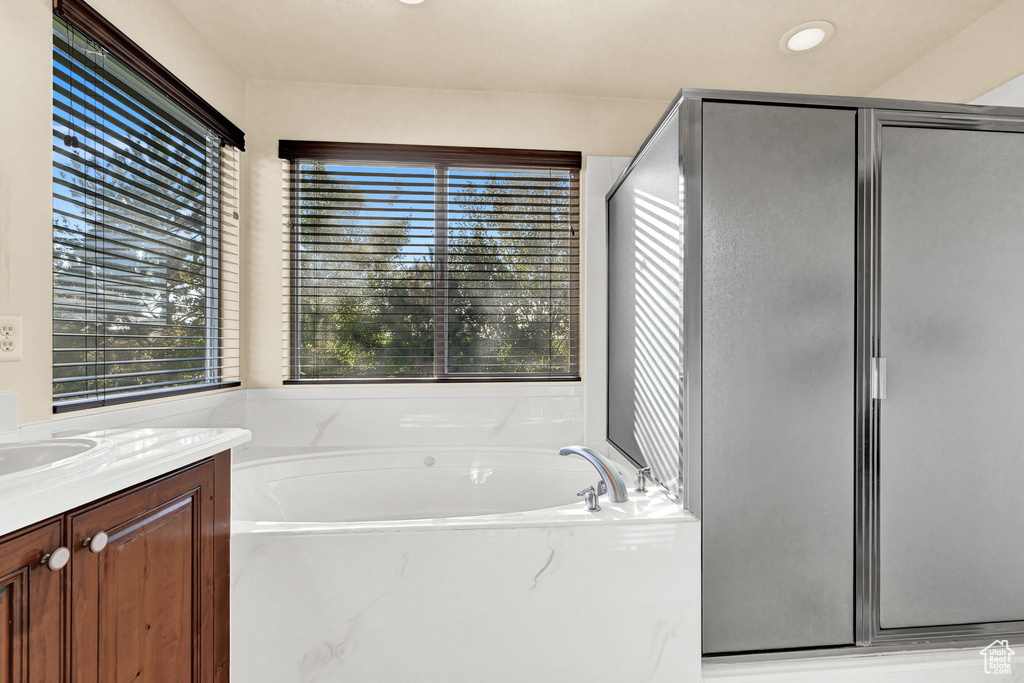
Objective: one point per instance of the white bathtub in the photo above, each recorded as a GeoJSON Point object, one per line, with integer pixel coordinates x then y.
{"type": "Point", "coordinates": [456, 565]}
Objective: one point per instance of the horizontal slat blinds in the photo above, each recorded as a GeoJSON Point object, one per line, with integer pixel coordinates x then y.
{"type": "Point", "coordinates": [230, 264]}
{"type": "Point", "coordinates": [433, 270]}
{"type": "Point", "coordinates": [286, 272]}
{"type": "Point", "coordinates": [136, 235]}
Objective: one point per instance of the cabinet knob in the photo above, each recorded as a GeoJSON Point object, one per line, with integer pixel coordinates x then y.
{"type": "Point", "coordinates": [56, 560]}
{"type": "Point", "coordinates": [96, 543]}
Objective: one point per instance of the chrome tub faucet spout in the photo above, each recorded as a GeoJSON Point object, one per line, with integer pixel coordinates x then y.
{"type": "Point", "coordinates": [609, 476]}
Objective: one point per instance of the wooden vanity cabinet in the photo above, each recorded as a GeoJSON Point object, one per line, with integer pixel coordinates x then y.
{"type": "Point", "coordinates": [146, 588]}
{"type": "Point", "coordinates": [31, 599]}
{"type": "Point", "coordinates": [138, 596]}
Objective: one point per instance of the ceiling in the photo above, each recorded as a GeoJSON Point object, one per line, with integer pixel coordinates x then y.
{"type": "Point", "coordinates": [616, 48]}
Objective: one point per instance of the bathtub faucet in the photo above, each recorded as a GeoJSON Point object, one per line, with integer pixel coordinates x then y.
{"type": "Point", "coordinates": [610, 479]}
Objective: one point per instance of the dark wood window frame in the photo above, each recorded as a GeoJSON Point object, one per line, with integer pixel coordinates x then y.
{"type": "Point", "coordinates": [444, 157]}
{"type": "Point", "coordinates": [90, 22]}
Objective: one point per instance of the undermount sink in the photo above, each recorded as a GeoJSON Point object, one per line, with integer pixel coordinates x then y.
{"type": "Point", "coordinates": [28, 457]}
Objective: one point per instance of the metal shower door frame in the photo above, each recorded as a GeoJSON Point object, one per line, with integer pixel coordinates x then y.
{"type": "Point", "coordinates": [867, 628]}
{"type": "Point", "coordinates": [872, 115]}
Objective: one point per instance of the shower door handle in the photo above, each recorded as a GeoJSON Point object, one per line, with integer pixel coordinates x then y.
{"type": "Point", "coordinates": [878, 378]}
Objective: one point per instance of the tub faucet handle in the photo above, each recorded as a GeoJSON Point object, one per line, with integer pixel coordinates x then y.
{"type": "Point", "coordinates": [640, 483]}
{"type": "Point", "coordinates": [613, 484]}
{"type": "Point", "coordinates": [589, 496]}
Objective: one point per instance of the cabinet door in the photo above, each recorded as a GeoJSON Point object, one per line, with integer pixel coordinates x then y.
{"type": "Point", "coordinates": [143, 604]}
{"type": "Point", "coordinates": [778, 361]}
{"type": "Point", "coordinates": [30, 607]}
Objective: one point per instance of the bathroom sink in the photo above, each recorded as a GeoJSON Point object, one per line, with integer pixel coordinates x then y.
{"type": "Point", "coordinates": [30, 457]}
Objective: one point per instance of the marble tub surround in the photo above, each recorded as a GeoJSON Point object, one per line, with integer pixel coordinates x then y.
{"type": "Point", "coordinates": [415, 415]}
{"type": "Point", "coordinates": [331, 417]}
{"type": "Point", "coordinates": [125, 457]}
{"type": "Point", "coordinates": [503, 591]}
{"type": "Point", "coordinates": [565, 603]}
{"type": "Point", "coordinates": [218, 409]}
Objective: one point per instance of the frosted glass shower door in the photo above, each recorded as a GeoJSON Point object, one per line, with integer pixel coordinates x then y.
{"type": "Point", "coordinates": [951, 429]}
{"type": "Point", "coordinates": [778, 376]}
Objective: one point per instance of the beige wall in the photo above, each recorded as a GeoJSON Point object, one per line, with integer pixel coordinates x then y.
{"type": "Point", "coordinates": [311, 111]}
{"type": "Point", "coordinates": [25, 158]}
{"type": "Point", "coordinates": [25, 166]}
{"type": "Point", "coordinates": [981, 57]}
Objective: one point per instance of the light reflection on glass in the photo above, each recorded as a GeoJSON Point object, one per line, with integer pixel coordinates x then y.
{"type": "Point", "coordinates": [657, 260]}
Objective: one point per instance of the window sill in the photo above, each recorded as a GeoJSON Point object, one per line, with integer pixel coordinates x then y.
{"type": "Point", "coordinates": [74, 406]}
{"type": "Point", "coordinates": [386, 381]}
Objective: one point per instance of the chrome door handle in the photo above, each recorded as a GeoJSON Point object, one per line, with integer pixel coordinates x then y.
{"type": "Point", "coordinates": [878, 378]}
{"type": "Point", "coordinates": [96, 543]}
{"type": "Point", "coordinates": [56, 560]}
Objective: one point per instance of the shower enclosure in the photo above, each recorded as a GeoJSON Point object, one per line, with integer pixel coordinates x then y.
{"type": "Point", "coordinates": [816, 342]}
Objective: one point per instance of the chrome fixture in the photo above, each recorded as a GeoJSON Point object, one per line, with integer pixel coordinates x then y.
{"type": "Point", "coordinates": [589, 496]}
{"type": "Point", "coordinates": [878, 376]}
{"type": "Point", "coordinates": [56, 560]}
{"type": "Point", "coordinates": [609, 476]}
{"type": "Point", "coordinates": [640, 482]}
{"type": "Point", "coordinates": [97, 543]}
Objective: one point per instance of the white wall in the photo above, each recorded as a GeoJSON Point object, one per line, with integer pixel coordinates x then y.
{"type": "Point", "coordinates": [1009, 94]}
{"type": "Point", "coordinates": [26, 163]}
{"type": "Point", "coordinates": [602, 172]}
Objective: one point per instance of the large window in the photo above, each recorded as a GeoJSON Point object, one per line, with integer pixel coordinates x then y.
{"type": "Point", "coordinates": [137, 282]}
{"type": "Point", "coordinates": [432, 263]}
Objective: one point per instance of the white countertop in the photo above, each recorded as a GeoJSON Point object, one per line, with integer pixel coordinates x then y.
{"type": "Point", "coordinates": [125, 457]}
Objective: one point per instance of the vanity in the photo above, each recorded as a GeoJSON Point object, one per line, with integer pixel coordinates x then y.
{"type": "Point", "coordinates": [114, 556]}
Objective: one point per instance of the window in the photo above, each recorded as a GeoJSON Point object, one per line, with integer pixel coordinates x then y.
{"type": "Point", "coordinates": [432, 263]}
{"type": "Point", "coordinates": [139, 248]}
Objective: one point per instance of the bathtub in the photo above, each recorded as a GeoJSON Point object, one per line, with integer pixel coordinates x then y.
{"type": "Point", "coordinates": [456, 564]}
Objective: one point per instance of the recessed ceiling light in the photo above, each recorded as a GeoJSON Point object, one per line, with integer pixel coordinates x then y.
{"type": "Point", "coordinates": [806, 36]}
{"type": "Point", "coordinates": [411, 2]}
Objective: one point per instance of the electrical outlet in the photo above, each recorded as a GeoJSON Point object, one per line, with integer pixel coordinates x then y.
{"type": "Point", "coordinates": [10, 337]}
